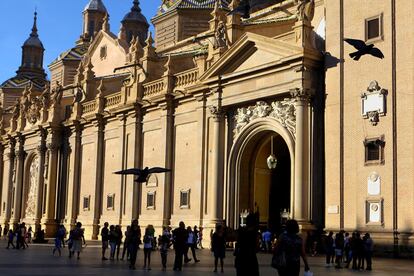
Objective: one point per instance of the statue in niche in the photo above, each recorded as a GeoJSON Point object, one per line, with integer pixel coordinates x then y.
{"type": "Point", "coordinates": [32, 190]}
{"type": "Point", "coordinates": [45, 97]}
{"type": "Point", "coordinates": [220, 36]}
{"type": "Point", "coordinates": [306, 10]}
{"type": "Point", "coordinates": [57, 94]}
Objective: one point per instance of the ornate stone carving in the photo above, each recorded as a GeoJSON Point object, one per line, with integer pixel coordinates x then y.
{"type": "Point", "coordinates": [305, 10]}
{"type": "Point", "coordinates": [373, 103]}
{"type": "Point", "coordinates": [216, 111]}
{"type": "Point", "coordinates": [53, 146]}
{"type": "Point", "coordinates": [20, 154]}
{"type": "Point", "coordinates": [220, 36]}
{"type": "Point", "coordinates": [32, 189]}
{"type": "Point", "coordinates": [301, 94]}
{"type": "Point", "coordinates": [33, 112]}
{"type": "Point", "coordinates": [282, 111]}
{"type": "Point", "coordinates": [57, 94]}
{"type": "Point", "coordinates": [45, 97]}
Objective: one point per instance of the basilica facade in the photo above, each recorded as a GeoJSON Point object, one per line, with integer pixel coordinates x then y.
{"type": "Point", "coordinates": [250, 114]}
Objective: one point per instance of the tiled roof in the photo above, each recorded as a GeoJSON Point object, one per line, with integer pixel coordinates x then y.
{"type": "Point", "coordinates": [95, 5]}
{"type": "Point", "coordinates": [169, 5]}
{"type": "Point", "coordinates": [21, 81]}
{"type": "Point", "coordinates": [75, 53]}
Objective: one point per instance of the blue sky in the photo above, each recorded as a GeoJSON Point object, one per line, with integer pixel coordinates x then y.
{"type": "Point", "coordinates": [59, 24]}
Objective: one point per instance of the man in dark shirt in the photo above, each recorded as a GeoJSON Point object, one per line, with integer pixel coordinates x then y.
{"type": "Point", "coordinates": [105, 239]}
{"type": "Point", "coordinates": [180, 237]}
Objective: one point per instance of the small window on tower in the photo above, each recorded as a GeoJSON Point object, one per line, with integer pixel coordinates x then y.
{"type": "Point", "coordinates": [103, 52]}
{"type": "Point", "coordinates": [374, 151]}
{"type": "Point", "coordinates": [151, 200]}
{"type": "Point", "coordinates": [373, 28]}
{"type": "Point", "coordinates": [86, 203]}
{"type": "Point", "coordinates": [185, 199]}
{"type": "Point", "coordinates": [110, 202]}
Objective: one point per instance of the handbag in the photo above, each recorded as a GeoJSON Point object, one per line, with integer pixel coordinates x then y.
{"type": "Point", "coordinates": [308, 273]}
{"type": "Point", "coordinates": [279, 260]}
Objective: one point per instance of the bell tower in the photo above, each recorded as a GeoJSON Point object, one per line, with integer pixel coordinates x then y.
{"type": "Point", "coordinates": [135, 24]}
{"type": "Point", "coordinates": [93, 18]}
{"type": "Point", "coordinates": [32, 54]}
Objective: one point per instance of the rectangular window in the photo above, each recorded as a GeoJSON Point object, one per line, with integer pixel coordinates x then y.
{"type": "Point", "coordinates": [151, 200]}
{"type": "Point", "coordinates": [110, 202]}
{"type": "Point", "coordinates": [374, 149]}
{"type": "Point", "coordinates": [185, 199]}
{"type": "Point", "coordinates": [373, 28]}
{"type": "Point", "coordinates": [86, 203]}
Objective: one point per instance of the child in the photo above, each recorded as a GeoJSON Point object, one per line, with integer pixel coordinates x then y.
{"type": "Point", "coordinates": [58, 240]}
{"type": "Point", "coordinates": [148, 242]}
{"type": "Point", "coordinates": [10, 238]}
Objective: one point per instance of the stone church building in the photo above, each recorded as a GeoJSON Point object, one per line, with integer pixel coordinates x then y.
{"type": "Point", "coordinates": [266, 114]}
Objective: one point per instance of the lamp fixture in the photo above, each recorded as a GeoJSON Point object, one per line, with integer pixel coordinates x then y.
{"type": "Point", "coordinates": [271, 160]}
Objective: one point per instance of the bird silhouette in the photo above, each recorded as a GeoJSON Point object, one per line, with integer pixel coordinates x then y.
{"type": "Point", "coordinates": [363, 49]}
{"type": "Point", "coordinates": [143, 174]}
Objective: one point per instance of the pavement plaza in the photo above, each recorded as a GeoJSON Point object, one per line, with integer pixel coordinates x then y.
{"type": "Point", "coordinates": [38, 260]}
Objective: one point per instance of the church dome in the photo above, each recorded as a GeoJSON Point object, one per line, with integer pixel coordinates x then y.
{"type": "Point", "coordinates": [96, 5]}
{"type": "Point", "coordinates": [33, 41]}
{"type": "Point", "coordinates": [135, 15]}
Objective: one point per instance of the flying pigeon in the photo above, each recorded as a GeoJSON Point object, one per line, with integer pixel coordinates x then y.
{"type": "Point", "coordinates": [363, 49]}
{"type": "Point", "coordinates": [143, 174]}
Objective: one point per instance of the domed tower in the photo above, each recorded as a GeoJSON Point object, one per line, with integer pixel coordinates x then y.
{"type": "Point", "coordinates": [135, 24]}
{"type": "Point", "coordinates": [93, 17]}
{"type": "Point", "coordinates": [32, 55]}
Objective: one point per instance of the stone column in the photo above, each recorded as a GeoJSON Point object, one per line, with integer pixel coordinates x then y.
{"type": "Point", "coordinates": [74, 175]}
{"type": "Point", "coordinates": [167, 121]}
{"type": "Point", "coordinates": [99, 124]}
{"type": "Point", "coordinates": [301, 195]}
{"type": "Point", "coordinates": [49, 216]}
{"type": "Point", "coordinates": [18, 194]}
{"type": "Point", "coordinates": [11, 159]}
{"type": "Point", "coordinates": [41, 152]}
{"type": "Point", "coordinates": [217, 183]}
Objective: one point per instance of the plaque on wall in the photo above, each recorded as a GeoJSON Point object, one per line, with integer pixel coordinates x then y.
{"type": "Point", "coordinates": [373, 103]}
{"type": "Point", "coordinates": [374, 211]}
{"type": "Point", "coordinates": [374, 184]}
{"type": "Point", "coordinates": [333, 209]}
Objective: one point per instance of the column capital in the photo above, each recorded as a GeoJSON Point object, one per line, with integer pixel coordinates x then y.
{"type": "Point", "coordinates": [53, 146]}
{"type": "Point", "coordinates": [302, 94]}
{"type": "Point", "coordinates": [41, 149]}
{"type": "Point", "coordinates": [10, 155]}
{"type": "Point", "coordinates": [21, 154]}
{"type": "Point", "coordinates": [217, 112]}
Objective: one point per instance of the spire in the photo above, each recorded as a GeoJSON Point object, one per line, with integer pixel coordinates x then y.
{"type": "Point", "coordinates": [136, 7]}
{"type": "Point", "coordinates": [34, 28]}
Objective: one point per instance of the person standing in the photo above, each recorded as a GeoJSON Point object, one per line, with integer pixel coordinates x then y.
{"type": "Point", "coordinates": [339, 246]}
{"type": "Point", "coordinates": [218, 245]}
{"type": "Point", "coordinates": [118, 230]}
{"type": "Point", "coordinates": [180, 237]}
{"type": "Point", "coordinates": [293, 247]}
{"type": "Point", "coordinates": [134, 237]}
{"type": "Point", "coordinates": [10, 239]}
{"type": "Point", "coordinates": [126, 244]}
{"type": "Point", "coordinates": [164, 243]}
{"type": "Point", "coordinates": [369, 249]}
{"type": "Point", "coordinates": [200, 237]}
{"type": "Point", "coordinates": [191, 245]}
{"type": "Point", "coordinates": [196, 235]}
{"type": "Point", "coordinates": [267, 240]}
{"type": "Point", "coordinates": [112, 239]}
{"type": "Point", "coordinates": [148, 242]}
{"type": "Point", "coordinates": [247, 245]}
{"type": "Point", "coordinates": [329, 248]}
{"type": "Point", "coordinates": [105, 239]}
{"type": "Point", "coordinates": [77, 239]}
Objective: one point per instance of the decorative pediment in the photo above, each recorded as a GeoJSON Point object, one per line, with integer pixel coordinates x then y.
{"type": "Point", "coordinates": [252, 52]}
{"type": "Point", "coordinates": [106, 53]}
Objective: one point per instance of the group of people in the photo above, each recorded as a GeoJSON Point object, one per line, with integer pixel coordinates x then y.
{"type": "Point", "coordinates": [344, 249]}
{"type": "Point", "coordinates": [18, 237]}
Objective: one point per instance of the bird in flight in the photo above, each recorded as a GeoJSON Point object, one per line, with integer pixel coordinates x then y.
{"type": "Point", "coordinates": [143, 174]}
{"type": "Point", "coordinates": [363, 49]}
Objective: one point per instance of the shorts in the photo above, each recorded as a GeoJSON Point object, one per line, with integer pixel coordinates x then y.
{"type": "Point", "coordinates": [104, 244]}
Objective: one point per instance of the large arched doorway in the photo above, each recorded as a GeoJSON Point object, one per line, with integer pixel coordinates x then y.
{"type": "Point", "coordinates": [31, 192]}
{"type": "Point", "coordinates": [252, 186]}
{"type": "Point", "coordinates": [265, 191]}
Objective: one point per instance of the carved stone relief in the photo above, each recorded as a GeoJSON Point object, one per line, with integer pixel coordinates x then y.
{"type": "Point", "coordinates": [282, 111]}
{"type": "Point", "coordinates": [373, 103]}
{"type": "Point", "coordinates": [32, 189]}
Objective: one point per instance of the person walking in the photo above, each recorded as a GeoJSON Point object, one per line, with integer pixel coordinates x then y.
{"type": "Point", "coordinates": [200, 237]}
{"type": "Point", "coordinates": [148, 246]}
{"type": "Point", "coordinates": [196, 236]}
{"type": "Point", "coordinates": [368, 249]}
{"type": "Point", "coordinates": [180, 237]}
{"type": "Point", "coordinates": [77, 239]}
{"type": "Point", "coordinates": [267, 240]}
{"type": "Point", "coordinates": [191, 245]}
{"type": "Point", "coordinates": [105, 240]}
{"type": "Point", "coordinates": [164, 243]}
{"type": "Point", "coordinates": [58, 240]}
{"type": "Point", "coordinates": [118, 230]}
{"type": "Point", "coordinates": [126, 244]}
{"type": "Point", "coordinates": [10, 237]}
{"type": "Point", "coordinates": [292, 245]}
{"type": "Point", "coordinates": [247, 245]}
{"type": "Point", "coordinates": [113, 240]}
{"type": "Point", "coordinates": [218, 246]}
{"type": "Point", "coordinates": [134, 237]}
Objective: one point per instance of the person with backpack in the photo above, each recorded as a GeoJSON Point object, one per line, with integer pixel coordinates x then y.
{"type": "Point", "coordinates": [288, 250]}
{"type": "Point", "coordinates": [148, 246]}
